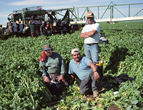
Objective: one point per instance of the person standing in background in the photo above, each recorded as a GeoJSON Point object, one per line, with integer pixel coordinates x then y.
{"type": "Point", "coordinates": [1, 30]}
{"type": "Point", "coordinates": [42, 29]}
{"type": "Point", "coordinates": [32, 28]}
{"type": "Point", "coordinates": [15, 27]}
{"type": "Point", "coordinates": [9, 25]}
{"type": "Point", "coordinates": [48, 29]}
{"type": "Point", "coordinates": [21, 26]}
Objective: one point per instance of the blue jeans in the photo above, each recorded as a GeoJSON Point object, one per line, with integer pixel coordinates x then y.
{"type": "Point", "coordinates": [91, 52]}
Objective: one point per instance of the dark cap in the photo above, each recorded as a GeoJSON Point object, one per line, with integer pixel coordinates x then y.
{"type": "Point", "coordinates": [47, 46]}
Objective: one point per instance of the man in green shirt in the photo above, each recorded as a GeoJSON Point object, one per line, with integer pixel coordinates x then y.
{"type": "Point", "coordinates": [52, 66]}
{"type": "Point", "coordinates": [32, 28]}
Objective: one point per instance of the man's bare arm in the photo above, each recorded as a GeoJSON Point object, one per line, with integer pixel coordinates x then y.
{"type": "Point", "coordinates": [94, 68]}
{"type": "Point", "coordinates": [40, 30]}
{"type": "Point", "coordinates": [88, 34]}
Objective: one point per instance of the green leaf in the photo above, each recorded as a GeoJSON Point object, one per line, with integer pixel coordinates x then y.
{"type": "Point", "coordinates": [129, 107]}
{"type": "Point", "coordinates": [137, 92]}
{"type": "Point", "coordinates": [134, 102]}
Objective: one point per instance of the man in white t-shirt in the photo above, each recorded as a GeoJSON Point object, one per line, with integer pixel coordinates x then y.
{"type": "Point", "coordinates": [90, 33]}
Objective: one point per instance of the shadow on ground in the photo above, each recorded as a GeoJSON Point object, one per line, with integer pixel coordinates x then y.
{"type": "Point", "coordinates": [118, 55]}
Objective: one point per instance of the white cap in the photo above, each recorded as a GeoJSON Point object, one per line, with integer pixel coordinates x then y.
{"type": "Point", "coordinates": [75, 51]}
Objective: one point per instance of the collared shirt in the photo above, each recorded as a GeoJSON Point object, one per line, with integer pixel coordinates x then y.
{"type": "Point", "coordinates": [53, 64]}
{"type": "Point", "coordinates": [82, 70]}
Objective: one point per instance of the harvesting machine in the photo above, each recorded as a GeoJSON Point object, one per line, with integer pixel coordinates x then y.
{"type": "Point", "coordinates": [59, 19]}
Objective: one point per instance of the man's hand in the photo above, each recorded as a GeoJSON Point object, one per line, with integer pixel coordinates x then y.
{"type": "Point", "coordinates": [61, 78]}
{"type": "Point", "coordinates": [46, 79]}
{"type": "Point", "coordinates": [96, 75]}
{"type": "Point", "coordinates": [72, 78]}
{"type": "Point", "coordinates": [94, 68]}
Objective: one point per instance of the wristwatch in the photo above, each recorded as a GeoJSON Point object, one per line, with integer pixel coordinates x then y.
{"type": "Point", "coordinates": [94, 71]}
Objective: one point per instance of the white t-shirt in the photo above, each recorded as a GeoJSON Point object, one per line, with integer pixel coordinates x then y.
{"type": "Point", "coordinates": [95, 38]}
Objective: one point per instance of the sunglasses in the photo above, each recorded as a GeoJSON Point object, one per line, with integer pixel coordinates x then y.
{"type": "Point", "coordinates": [89, 17]}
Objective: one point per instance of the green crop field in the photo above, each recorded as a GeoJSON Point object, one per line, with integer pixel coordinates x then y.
{"type": "Point", "coordinates": [22, 88]}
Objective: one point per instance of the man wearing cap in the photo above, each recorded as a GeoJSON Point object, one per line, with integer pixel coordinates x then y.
{"type": "Point", "coordinates": [87, 73]}
{"type": "Point", "coordinates": [42, 28]}
{"type": "Point", "coordinates": [52, 65]}
{"type": "Point", "coordinates": [90, 33]}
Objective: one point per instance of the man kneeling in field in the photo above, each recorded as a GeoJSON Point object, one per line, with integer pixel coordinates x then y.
{"type": "Point", "coordinates": [53, 69]}
{"type": "Point", "coordinates": [86, 71]}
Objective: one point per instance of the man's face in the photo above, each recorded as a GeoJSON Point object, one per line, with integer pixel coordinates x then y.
{"type": "Point", "coordinates": [48, 52]}
{"type": "Point", "coordinates": [89, 20]}
{"type": "Point", "coordinates": [76, 57]}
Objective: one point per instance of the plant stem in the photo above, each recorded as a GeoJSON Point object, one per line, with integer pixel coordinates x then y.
{"type": "Point", "coordinates": [30, 94]}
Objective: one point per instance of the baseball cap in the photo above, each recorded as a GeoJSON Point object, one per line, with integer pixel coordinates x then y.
{"type": "Point", "coordinates": [89, 14]}
{"type": "Point", "coordinates": [75, 51]}
{"type": "Point", "coordinates": [47, 46]}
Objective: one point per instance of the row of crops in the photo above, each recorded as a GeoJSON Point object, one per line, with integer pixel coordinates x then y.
{"type": "Point", "coordinates": [21, 85]}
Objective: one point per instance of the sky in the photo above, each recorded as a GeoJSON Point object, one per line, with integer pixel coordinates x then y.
{"type": "Point", "coordinates": [8, 6]}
